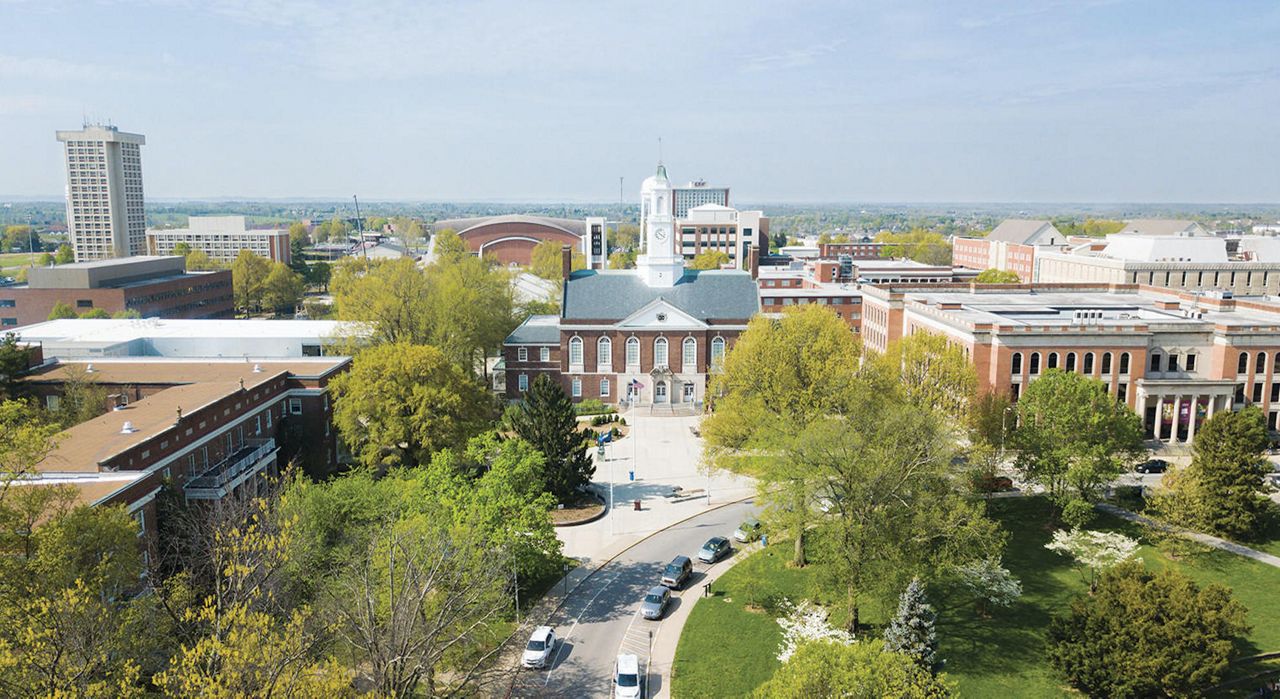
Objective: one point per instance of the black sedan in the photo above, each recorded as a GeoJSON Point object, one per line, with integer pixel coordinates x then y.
{"type": "Point", "coordinates": [1152, 466]}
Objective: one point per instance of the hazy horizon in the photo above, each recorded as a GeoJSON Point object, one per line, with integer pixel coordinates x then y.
{"type": "Point", "coordinates": [1105, 102]}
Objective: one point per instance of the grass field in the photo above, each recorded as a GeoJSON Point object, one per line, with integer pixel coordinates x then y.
{"type": "Point", "coordinates": [1001, 655]}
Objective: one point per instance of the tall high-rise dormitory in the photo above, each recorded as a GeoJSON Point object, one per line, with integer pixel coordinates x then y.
{"type": "Point", "coordinates": [105, 214]}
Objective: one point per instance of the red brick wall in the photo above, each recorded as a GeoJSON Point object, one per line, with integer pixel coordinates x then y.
{"type": "Point", "coordinates": [194, 296]}
{"type": "Point", "coordinates": [515, 251]}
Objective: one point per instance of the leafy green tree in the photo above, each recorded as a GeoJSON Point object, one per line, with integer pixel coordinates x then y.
{"type": "Point", "coordinates": [199, 261]}
{"type": "Point", "coordinates": [917, 244]}
{"type": "Point", "coordinates": [991, 419]}
{"type": "Point", "coordinates": [625, 236]}
{"type": "Point", "coordinates": [1144, 634]}
{"type": "Point", "coordinates": [248, 274]}
{"type": "Point", "coordinates": [62, 309]}
{"type": "Point", "coordinates": [546, 419]}
{"type": "Point", "coordinates": [45, 260]}
{"type": "Point", "coordinates": [1072, 437]}
{"type": "Point", "coordinates": [83, 398]}
{"type": "Point", "coordinates": [19, 238]}
{"type": "Point", "coordinates": [282, 289]}
{"type": "Point", "coordinates": [448, 246]}
{"type": "Point", "coordinates": [182, 249]}
{"type": "Point", "coordinates": [825, 238]}
{"type": "Point", "coordinates": [298, 234]}
{"type": "Point", "coordinates": [546, 261]}
{"type": "Point", "coordinates": [997, 276]}
{"type": "Point", "coordinates": [1222, 491]}
{"type": "Point", "coordinates": [896, 512]}
{"type": "Point", "coordinates": [911, 631]}
{"type": "Point", "coordinates": [400, 403]}
{"type": "Point", "coordinates": [98, 313]}
{"type": "Point", "coordinates": [622, 259]}
{"type": "Point", "coordinates": [127, 313]}
{"type": "Point", "coordinates": [933, 374]}
{"type": "Point", "coordinates": [64, 255]}
{"type": "Point", "coordinates": [781, 375]}
{"type": "Point", "coordinates": [393, 296]}
{"type": "Point", "coordinates": [863, 669]}
{"type": "Point", "coordinates": [319, 274]}
{"type": "Point", "coordinates": [710, 259]}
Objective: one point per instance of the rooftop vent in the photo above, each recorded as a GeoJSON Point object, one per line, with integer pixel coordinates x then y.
{"type": "Point", "coordinates": [128, 428]}
{"type": "Point", "coordinates": [257, 368]}
{"type": "Point", "coordinates": [88, 369]}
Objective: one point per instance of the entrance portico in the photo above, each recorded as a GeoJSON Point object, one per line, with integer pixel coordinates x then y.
{"type": "Point", "coordinates": [1171, 410]}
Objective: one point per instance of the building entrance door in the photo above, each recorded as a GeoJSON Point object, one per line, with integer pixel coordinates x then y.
{"type": "Point", "coordinates": [688, 392]}
{"type": "Point", "coordinates": [660, 392]}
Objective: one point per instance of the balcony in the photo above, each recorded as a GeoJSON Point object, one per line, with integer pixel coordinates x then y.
{"type": "Point", "coordinates": [221, 478]}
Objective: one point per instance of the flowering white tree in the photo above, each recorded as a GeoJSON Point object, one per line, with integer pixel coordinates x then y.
{"type": "Point", "coordinates": [990, 583]}
{"type": "Point", "coordinates": [806, 622]}
{"type": "Point", "coordinates": [1093, 550]}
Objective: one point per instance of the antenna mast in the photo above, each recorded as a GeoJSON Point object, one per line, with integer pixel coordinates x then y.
{"type": "Point", "coordinates": [360, 227]}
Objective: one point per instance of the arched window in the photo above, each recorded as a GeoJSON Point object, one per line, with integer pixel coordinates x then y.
{"type": "Point", "coordinates": [1260, 366]}
{"type": "Point", "coordinates": [660, 352]}
{"type": "Point", "coordinates": [689, 355]}
{"type": "Point", "coordinates": [1124, 362]}
{"type": "Point", "coordinates": [604, 354]}
{"type": "Point", "coordinates": [717, 351]}
{"type": "Point", "coordinates": [1017, 364]}
{"type": "Point", "coordinates": [575, 351]}
{"type": "Point", "coordinates": [1087, 370]}
{"type": "Point", "coordinates": [1035, 363]}
{"type": "Point", "coordinates": [1071, 361]}
{"type": "Point", "coordinates": [1106, 362]}
{"type": "Point", "coordinates": [1053, 360]}
{"type": "Point", "coordinates": [1242, 367]}
{"type": "Point", "coordinates": [633, 354]}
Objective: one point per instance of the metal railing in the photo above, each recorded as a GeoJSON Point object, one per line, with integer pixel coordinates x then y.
{"type": "Point", "coordinates": [234, 465]}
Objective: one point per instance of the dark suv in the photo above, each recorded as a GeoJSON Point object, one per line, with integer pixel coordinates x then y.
{"type": "Point", "coordinates": [677, 572]}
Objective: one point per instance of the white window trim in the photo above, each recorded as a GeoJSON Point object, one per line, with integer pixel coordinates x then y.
{"type": "Point", "coordinates": [522, 354]}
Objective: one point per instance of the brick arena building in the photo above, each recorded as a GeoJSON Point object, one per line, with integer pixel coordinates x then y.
{"type": "Point", "coordinates": [511, 238]}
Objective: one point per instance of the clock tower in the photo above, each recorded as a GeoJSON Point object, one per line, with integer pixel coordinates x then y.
{"type": "Point", "coordinates": [662, 264]}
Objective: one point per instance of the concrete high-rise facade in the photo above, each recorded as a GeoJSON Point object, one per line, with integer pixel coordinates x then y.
{"type": "Point", "coordinates": [696, 193]}
{"type": "Point", "coordinates": [105, 214]}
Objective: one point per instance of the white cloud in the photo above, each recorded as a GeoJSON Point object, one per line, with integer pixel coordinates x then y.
{"type": "Point", "coordinates": [794, 58]}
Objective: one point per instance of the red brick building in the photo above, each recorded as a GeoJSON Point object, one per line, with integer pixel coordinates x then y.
{"type": "Point", "coordinates": [1011, 246]}
{"type": "Point", "coordinates": [209, 428]}
{"type": "Point", "coordinates": [153, 287]}
{"type": "Point", "coordinates": [648, 336]}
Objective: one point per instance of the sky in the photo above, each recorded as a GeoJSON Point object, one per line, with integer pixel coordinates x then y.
{"type": "Point", "coordinates": [530, 100]}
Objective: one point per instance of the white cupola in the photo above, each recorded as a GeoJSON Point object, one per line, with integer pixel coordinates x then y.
{"type": "Point", "coordinates": [662, 264]}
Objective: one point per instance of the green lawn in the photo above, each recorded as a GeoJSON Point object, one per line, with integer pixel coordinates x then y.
{"type": "Point", "coordinates": [1002, 655]}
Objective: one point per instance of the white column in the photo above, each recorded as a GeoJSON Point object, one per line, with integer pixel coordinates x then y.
{"type": "Point", "coordinates": [1191, 425]}
{"type": "Point", "coordinates": [1159, 417]}
{"type": "Point", "coordinates": [1213, 404]}
{"type": "Point", "coordinates": [1177, 415]}
{"type": "Point", "coordinates": [1141, 408]}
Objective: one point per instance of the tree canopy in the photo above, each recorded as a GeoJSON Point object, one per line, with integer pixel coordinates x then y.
{"type": "Point", "coordinates": [546, 420]}
{"type": "Point", "coordinates": [1222, 491]}
{"type": "Point", "coordinates": [917, 244]}
{"type": "Point", "coordinates": [248, 275]}
{"type": "Point", "coordinates": [709, 259]}
{"type": "Point", "coordinates": [1073, 437]}
{"type": "Point", "coordinates": [546, 260]}
{"type": "Point", "coordinates": [997, 276]}
{"type": "Point", "coordinates": [1144, 634]}
{"type": "Point", "coordinates": [400, 403]}
{"type": "Point", "coordinates": [862, 669]}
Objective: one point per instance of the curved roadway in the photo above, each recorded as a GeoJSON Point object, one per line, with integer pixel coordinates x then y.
{"type": "Point", "coordinates": [600, 618]}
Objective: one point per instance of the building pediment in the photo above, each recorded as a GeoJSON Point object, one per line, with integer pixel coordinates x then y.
{"type": "Point", "coordinates": [659, 315]}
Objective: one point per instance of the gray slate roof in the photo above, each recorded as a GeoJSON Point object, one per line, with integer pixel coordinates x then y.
{"type": "Point", "coordinates": [536, 330]}
{"type": "Point", "coordinates": [707, 295]}
{"type": "Point", "coordinates": [1016, 230]}
{"type": "Point", "coordinates": [1162, 226]}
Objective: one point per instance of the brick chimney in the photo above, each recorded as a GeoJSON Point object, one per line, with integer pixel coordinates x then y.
{"type": "Point", "coordinates": [566, 261]}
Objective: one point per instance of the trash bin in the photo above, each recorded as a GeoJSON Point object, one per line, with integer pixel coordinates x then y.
{"type": "Point", "coordinates": [637, 504]}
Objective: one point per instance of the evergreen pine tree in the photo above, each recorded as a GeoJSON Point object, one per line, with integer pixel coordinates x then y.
{"type": "Point", "coordinates": [1221, 491]}
{"type": "Point", "coordinates": [911, 630]}
{"type": "Point", "coordinates": [546, 419]}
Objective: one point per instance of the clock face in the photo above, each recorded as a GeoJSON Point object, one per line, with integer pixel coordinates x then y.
{"type": "Point", "coordinates": [660, 234]}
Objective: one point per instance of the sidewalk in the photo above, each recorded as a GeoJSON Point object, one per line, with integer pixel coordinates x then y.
{"type": "Point", "coordinates": [1206, 539]}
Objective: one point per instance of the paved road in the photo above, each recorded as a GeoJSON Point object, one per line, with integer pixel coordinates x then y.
{"type": "Point", "coordinates": [600, 619]}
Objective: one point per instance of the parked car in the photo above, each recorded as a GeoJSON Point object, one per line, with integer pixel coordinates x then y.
{"type": "Point", "coordinates": [627, 683]}
{"type": "Point", "coordinates": [749, 530]}
{"type": "Point", "coordinates": [1152, 466]}
{"type": "Point", "coordinates": [655, 602]}
{"type": "Point", "coordinates": [541, 646]}
{"type": "Point", "coordinates": [677, 572]}
{"type": "Point", "coordinates": [717, 547]}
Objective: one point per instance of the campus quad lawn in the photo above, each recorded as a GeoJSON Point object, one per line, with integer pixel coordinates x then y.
{"type": "Point", "coordinates": [726, 650]}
